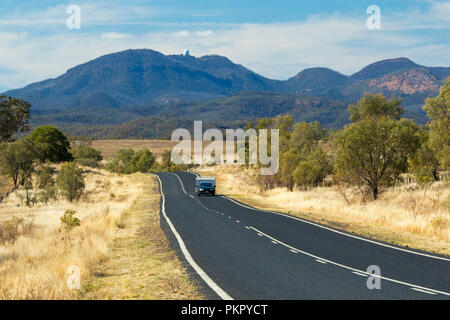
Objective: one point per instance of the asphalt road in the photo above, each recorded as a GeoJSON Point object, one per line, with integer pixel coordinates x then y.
{"type": "Point", "coordinates": [245, 253]}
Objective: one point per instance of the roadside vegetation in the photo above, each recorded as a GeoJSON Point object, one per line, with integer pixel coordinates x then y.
{"type": "Point", "coordinates": [61, 211]}
{"type": "Point", "coordinates": [41, 241]}
{"type": "Point", "coordinates": [128, 161]}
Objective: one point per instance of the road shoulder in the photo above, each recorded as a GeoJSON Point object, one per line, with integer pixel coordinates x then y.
{"type": "Point", "coordinates": [141, 263]}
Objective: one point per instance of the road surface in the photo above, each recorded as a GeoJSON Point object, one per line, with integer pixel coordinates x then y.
{"type": "Point", "coordinates": [244, 253]}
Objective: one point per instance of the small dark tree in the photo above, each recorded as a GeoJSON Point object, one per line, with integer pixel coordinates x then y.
{"type": "Point", "coordinates": [438, 110]}
{"type": "Point", "coordinates": [28, 185]}
{"type": "Point", "coordinates": [14, 117]}
{"type": "Point", "coordinates": [44, 176]}
{"type": "Point", "coordinates": [70, 181]}
{"type": "Point", "coordinates": [166, 162]}
{"type": "Point", "coordinates": [144, 160]}
{"type": "Point", "coordinates": [52, 144]}
{"type": "Point", "coordinates": [46, 183]}
{"type": "Point", "coordinates": [288, 161]}
{"type": "Point", "coordinates": [376, 147]}
{"type": "Point", "coordinates": [17, 160]}
{"type": "Point", "coordinates": [86, 155]}
{"type": "Point", "coordinates": [424, 164]}
{"type": "Point", "coordinates": [306, 173]}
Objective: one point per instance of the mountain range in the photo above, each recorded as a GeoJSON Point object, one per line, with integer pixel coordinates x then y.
{"type": "Point", "coordinates": [132, 84]}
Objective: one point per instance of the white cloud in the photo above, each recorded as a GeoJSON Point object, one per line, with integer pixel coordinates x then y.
{"type": "Point", "coordinates": [96, 13]}
{"type": "Point", "coordinates": [183, 33]}
{"type": "Point", "coordinates": [277, 50]}
{"type": "Point", "coordinates": [205, 33]}
{"type": "Point", "coordinates": [440, 11]}
{"type": "Point", "coordinates": [437, 17]}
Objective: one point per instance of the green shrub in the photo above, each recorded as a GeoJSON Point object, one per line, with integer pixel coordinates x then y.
{"type": "Point", "coordinates": [87, 156]}
{"type": "Point", "coordinates": [52, 144]}
{"type": "Point", "coordinates": [48, 193]}
{"type": "Point", "coordinates": [69, 221]}
{"type": "Point", "coordinates": [128, 161]}
{"type": "Point", "coordinates": [44, 177]}
{"type": "Point", "coordinates": [143, 161]}
{"type": "Point", "coordinates": [307, 173]}
{"type": "Point", "coordinates": [17, 160]}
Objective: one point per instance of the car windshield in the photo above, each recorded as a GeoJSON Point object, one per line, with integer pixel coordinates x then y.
{"type": "Point", "coordinates": [205, 185]}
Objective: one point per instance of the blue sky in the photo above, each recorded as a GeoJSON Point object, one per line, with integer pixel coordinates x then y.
{"type": "Point", "coordinates": [274, 38]}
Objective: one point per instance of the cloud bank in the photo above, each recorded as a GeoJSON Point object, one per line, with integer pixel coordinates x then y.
{"type": "Point", "coordinates": [274, 50]}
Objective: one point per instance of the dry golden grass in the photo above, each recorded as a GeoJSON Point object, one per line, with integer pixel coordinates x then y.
{"type": "Point", "coordinates": [6, 185]}
{"type": "Point", "coordinates": [141, 264]}
{"type": "Point", "coordinates": [35, 265]}
{"type": "Point", "coordinates": [109, 148]}
{"type": "Point", "coordinates": [415, 218]}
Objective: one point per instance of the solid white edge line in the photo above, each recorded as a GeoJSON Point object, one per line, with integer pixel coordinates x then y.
{"type": "Point", "coordinates": [349, 268]}
{"type": "Point", "coordinates": [218, 290]}
{"type": "Point", "coordinates": [424, 291]}
{"type": "Point", "coordinates": [337, 231]}
{"type": "Point", "coordinates": [181, 182]}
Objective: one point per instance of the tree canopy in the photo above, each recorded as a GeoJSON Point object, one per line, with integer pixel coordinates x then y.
{"type": "Point", "coordinates": [438, 110]}
{"type": "Point", "coordinates": [52, 144]}
{"type": "Point", "coordinates": [375, 149]}
{"type": "Point", "coordinates": [375, 106]}
{"type": "Point", "coordinates": [14, 117]}
{"type": "Point", "coordinates": [17, 160]}
{"type": "Point", "coordinates": [70, 181]}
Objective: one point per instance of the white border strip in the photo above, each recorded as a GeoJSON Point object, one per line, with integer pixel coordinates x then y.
{"type": "Point", "coordinates": [222, 294]}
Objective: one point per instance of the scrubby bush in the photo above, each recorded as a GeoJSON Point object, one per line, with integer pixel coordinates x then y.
{"type": "Point", "coordinates": [307, 173]}
{"type": "Point", "coordinates": [166, 162]}
{"type": "Point", "coordinates": [17, 160]}
{"type": "Point", "coordinates": [69, 221]}
{"type": "Point", "coordinates": [48, 193]}
{"type": "Point", "coordinates": [86, 156]}
{"type": "Point", "coordinates": [143, 161]}
{"type": "Point", "coordinates": [9, 230]}
{"type": "Point", "coordinates": [44, 177]}
{"type": "Point", "coordinates": [128, 161]}
{"type": "Point", "coordinates": [70, 181]}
